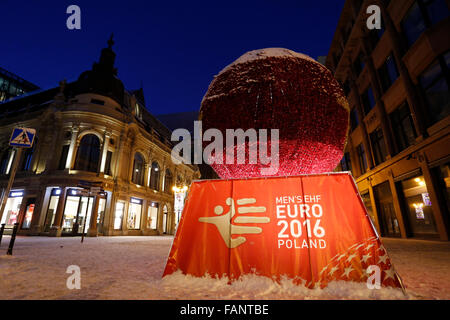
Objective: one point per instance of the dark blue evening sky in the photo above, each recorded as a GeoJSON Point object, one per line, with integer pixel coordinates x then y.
{"type": "Point", "coordinates": [173, 47]}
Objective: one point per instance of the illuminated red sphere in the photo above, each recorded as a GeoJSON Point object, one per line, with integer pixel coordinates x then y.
{"type": "Point", "coordinates": [277, 88]}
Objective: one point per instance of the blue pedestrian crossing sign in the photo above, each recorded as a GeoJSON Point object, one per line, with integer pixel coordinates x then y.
{"type": "Point", "coordinates": [22, 137]}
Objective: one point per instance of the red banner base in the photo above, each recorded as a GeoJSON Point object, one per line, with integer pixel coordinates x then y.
{"type": "Point", "coordinates": [313, 229]}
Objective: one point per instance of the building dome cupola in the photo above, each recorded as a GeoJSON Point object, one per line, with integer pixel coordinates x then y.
{"type": "Point", "coordinates": [102, 79]}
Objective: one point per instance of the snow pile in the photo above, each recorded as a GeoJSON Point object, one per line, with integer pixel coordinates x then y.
{"type": "Point", "coordinates": [131, 268]}
{"type": "Point", "coordinates": [253, 287]}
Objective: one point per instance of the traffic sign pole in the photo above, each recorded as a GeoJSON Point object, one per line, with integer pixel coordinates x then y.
{"type": "Point", "coordinates": [12, 175]}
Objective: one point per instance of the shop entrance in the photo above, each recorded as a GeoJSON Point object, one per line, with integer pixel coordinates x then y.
{"type": "Point", "coordinates": [386, 213]}
{"type": "Point", "coordinates": [77, 214]}
{"type": "Point", "coordinates": [77, 211]}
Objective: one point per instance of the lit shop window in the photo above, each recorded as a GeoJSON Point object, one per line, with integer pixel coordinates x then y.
{"type": "Point", "coordinates": [165, 220]}
{"type": "Point", "coordinates": [28, 216]}
{"type": "Point", "coordinates": [134, 214]}
{"type": "Point", "coordinates": [101, 211]}
{"type": "Point", "coordinates": [11, 213]}
{"type": "Point", "coordinates": [418, 206]}
{"type": "Point", "coordinates": [118, 215]}
{"type": "Point", "coordinates": [53, 205]}
{"type": "Point", "coordinates": [77, 212]}
{"type": "Point", "coordinates": [152, 216]}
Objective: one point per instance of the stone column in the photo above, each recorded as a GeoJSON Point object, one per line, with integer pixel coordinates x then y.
{"type": "Point", "coordinates": [56, 228]}
{"type": "Point", "coordinates": [72, 147]}
{"type": "Point", "coordinates": [162, 176]}
{"type": "Point", "coordinates": [35, 228]}
{"type": "Point", "coordinates": [104, 151]}
{"type": "Point", "coordinates": [397, 207]}
{"type": "Point", "coordinates": [92, 232]}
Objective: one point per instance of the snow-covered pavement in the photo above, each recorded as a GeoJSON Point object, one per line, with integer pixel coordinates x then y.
{"type": "Point", "coordinates": [131, 268]}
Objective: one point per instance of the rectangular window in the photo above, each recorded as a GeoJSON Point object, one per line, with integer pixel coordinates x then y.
{"type": "Point", "coordinates": [152, 216]}
{"type": "Point", "coordinates": [362, 158]}
{"type": "Point", "coordinates": [423, 14]}
{"type": "Point", "coordinates": [413, 24]}
{"type": "Point", "coordinates": [26, 224]}
{"type": "Point", "coordinates": [354, 122]}
{"type": "Point", "coordinates": [346, 162]}
{"type": "Point", "coordinates": [378, 146]}
{"type": "Point", "coordinates": [435, 83]}
{"type": "Point", "coordinates": [368, 100]}
{"type": "Point", "coordinates": [63, 158]}
{"type": "Point", "coordinates": [118, 215]}
{"type": "Point", "coordinates": [134, 214]}
{"type": "Point", "coordinates": [388, 73]}
{"type": "Point", "coordinates": [402, 123]}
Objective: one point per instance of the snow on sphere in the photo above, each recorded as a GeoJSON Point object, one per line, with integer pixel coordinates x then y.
{"type": "Point", "coordinates": [281, 89]}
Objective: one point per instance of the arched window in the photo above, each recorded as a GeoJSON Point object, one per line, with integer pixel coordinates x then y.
{"type": "Point", "coordinates": [138, 169]}
{"type": "Point", "coordinates": [88, 154]}
{"type": "Point", "coordinates": [168, 181]}
{"type": "Point", "coordinates": [154, 176]}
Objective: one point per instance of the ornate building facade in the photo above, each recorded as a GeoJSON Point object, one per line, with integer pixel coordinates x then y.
{"type": "Point", "coordinates": [91, 133]}
{"type": "Point", "coordinates": [397, 81]}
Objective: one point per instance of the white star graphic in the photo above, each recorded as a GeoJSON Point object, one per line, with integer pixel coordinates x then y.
{"type": "Point", "coordinates": [390, 273]}
{"type": "Point", "coordinates": [350, 258]}
{"type": "Point", "coordinates": [382, 249]}
{"type": "Point", "coordinates": [369, 246]}
{"type": "Point", "coordinates": [333, 270]}
{"type": "Point", "coordinates": [341, 256]}
{"type": "Point", "coordinates": [366, 257]}
{"type": "Point", "coordinates": [382, 258]}
{"type": "Point", "coordinates": [347, 271]}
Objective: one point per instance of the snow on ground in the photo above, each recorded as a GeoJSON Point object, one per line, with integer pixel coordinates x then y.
{"type": "Point", "coordinates": [131, 268]}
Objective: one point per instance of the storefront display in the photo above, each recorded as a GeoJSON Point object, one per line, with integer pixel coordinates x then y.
{"type": "Point", "coordinates": [28, 216]}
{"type": "Point", "coordinates": [11, 213]}
{"type": "Point", "coordinates": [419, 207]}
{"type": "Point", "coordinates": [51, 211]}
{"type": "Point", "coordinates": [77, 212]}
{"type": "Point", "coordinates": [165, 227]}
{"type": "Point", "coordinates": [118, 215]}
{"type": "Point", "coordinates": [101, 212]}
{"type": "Point", "coordinates": [134, 214]}
{"type": "Point", "coordinates": [152, 216]}
{"type": "Point", "coordinates": [180, 196]}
